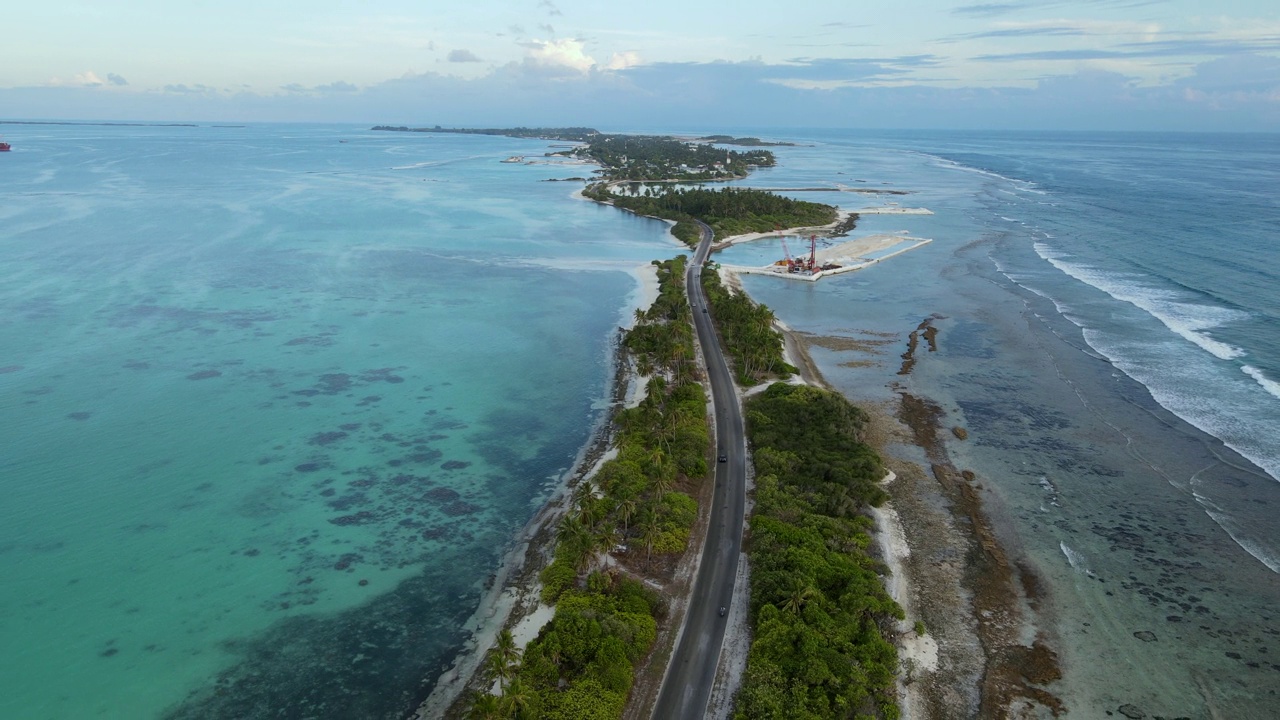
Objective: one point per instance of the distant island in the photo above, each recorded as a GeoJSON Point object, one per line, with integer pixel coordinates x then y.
{"type": "Point", "coordinates": [637, 157]}
{"type": "Point", "coordinates": [649, 169]}
{"type": "Point", "coordinates": [745, 141]}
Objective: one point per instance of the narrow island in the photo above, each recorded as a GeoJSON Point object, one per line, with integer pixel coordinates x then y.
{"type": "Point", "coordinates": [594, 603]}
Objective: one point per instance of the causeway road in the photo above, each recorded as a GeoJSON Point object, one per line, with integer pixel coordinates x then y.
{"type": "Point", "coordinates": [691, 672]}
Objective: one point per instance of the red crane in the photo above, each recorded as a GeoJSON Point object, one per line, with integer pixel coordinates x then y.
{"type": "Point", "coordinates": [813, 252]}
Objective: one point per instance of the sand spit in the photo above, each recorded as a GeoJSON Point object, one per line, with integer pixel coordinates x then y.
{"type": "Point", "coordinates": [828, 230]}
{"type": "Point", "coordinates": [849, 256]}
{"type": "Point", "coordinates": [894, 211]}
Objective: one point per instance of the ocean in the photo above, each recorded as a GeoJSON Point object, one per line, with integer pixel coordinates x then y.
{"type": "Point", "coordinates": [1107, 310]}
{"type": "Point", "coordinates": [275, 400]}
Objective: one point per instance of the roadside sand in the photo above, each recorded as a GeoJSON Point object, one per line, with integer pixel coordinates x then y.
{"type": "Point", "coordinates": [917, 653]}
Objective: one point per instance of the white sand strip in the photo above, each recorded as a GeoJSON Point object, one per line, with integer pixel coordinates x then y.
{"type": "Point", "coordinates": [919, 653]}
{"type": "Point", "coordinates": [841, 216]}
{"type": "Point", "coordinates": [847, 255]}
{"type": "Point", "coordinates": [894, 211]}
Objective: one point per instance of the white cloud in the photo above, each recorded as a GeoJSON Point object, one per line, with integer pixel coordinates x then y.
{"type": "Point", "coordinates": [88, 78]}
{"type": "Point", "coordinates": [623, 60]}
{"type": "Point", "coordinates": [553, 54]}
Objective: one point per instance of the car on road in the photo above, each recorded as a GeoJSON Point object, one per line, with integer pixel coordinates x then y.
{"type": "Point", "coordinates": [723, 458]}
{"type": "Point", "coordinates": [722, 611]}
{"type": "Point", "coordinates": [704, 309]}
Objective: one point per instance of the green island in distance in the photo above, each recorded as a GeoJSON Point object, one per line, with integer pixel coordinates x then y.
{"type": "Point", "coordinates": [658, 159]}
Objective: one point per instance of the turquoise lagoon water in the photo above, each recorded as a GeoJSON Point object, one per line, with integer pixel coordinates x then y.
{"type": "Point", "coordinates": [273, 402]}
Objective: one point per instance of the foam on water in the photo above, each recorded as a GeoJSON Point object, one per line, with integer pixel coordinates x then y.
{"type": "Point", "coordinates": [1266, 555]}
{"type": "Point", "coordinates": [1267, 383]}
{"type": "Point", "coordinates": [1188, 319]}
{"type": "Point", "coordinates": [1075, 559]}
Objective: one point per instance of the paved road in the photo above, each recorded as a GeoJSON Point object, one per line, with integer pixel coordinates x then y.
{"type": "Point", "coordinates": [691, 674]}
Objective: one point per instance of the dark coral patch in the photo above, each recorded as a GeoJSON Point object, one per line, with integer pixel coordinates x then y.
{"type": "Point", "coordinates": [427, 456]}
{"type": "Point", "coordinates": [80, 415]}
{"type": "Point", "coordinates": [204, 375]}
{"type": "Point", "coordinates": [327, 438]}
{"type": "Point", "coordinates": [360, 518]}
{"type": "Point", "coordinates": [350, 427]}
{"type": "Point", "coordinates": [308, 467]}
{"type": "Point", "coordinates": [441, 494]}
{"type": "Point", "coordinates": [335, 383]}
{"type": "Point", "coordinates": [9, 369]}
{"type": "Point", "coordinates": [460, 507]}
{"type": "Point", "coordinates": [346, 561]}
{"type": "Point", "coordinates": [346, 502]}
{"type": "Point", "coordinates": [455, 465]}
{"type": "Point", "coordinates": [381, 375]}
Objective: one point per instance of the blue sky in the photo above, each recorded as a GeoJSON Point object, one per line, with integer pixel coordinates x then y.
{"type": "Point", "coordinates": [1012, 64]}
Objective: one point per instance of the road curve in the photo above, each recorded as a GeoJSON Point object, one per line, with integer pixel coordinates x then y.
{"type": "Point", "coordinates": [691, 672]}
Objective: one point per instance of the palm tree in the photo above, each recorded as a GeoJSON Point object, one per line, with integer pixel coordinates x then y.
{"type": "Point", "coordinates": [485, 707]}
{"type": "Point", "coordinates": [627, 510]}
{"type": "Point", "coordinates": [586, 491]}
{"type": "Point", "coordinates": [572, 531]}
{"type": "Point", "coordinates": [498, 667]}
{"type": "Point", "coordinates": [650, 531]}
{"type": "Point", "coordinates": [506, 648]}
{"type": "Point", "coordinates": [662, 485]}
{"type": "Point", "coordinates": [517, 700]}
{"type": "Point", "coordinates": [799, 597]}
{"type": "Point", "coordinates": [608, 539]}
{"type": "Point", "coordinates": [658, 459]}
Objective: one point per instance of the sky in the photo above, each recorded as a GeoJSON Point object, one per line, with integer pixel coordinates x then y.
{"type": "Point", "coordinates": [959, 64]}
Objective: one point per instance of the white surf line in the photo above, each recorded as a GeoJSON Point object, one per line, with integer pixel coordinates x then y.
{"type": "Point", "coordinates": [893, 211]}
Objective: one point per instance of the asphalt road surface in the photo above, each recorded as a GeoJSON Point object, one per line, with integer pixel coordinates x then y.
{"type": "Point", "coordinates": [692, 671]}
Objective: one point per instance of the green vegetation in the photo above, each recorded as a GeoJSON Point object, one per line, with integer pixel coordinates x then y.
{"type": "Point", "coordinates": [582, 664]}
{"type": "Point", "coordinates": [747, 333]}
{"type": "Point", "coordinates": [653, 157]}
{"type": "Point", "coordinates": [744, 141]}
{"type": "Point", "coordinates": [729, 211]}
{"type": "Point", "coordinates": [635, 157]}
{"type": "Point", "coordinates": [640, 158]}
{"type": "Point", "coordinates": [819, 607]}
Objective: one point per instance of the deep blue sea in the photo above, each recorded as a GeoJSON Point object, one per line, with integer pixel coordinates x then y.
{"type": "Point", "coordinates": [1108, 308]}
{"type": "Point", "coordinates": [274, 400]}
